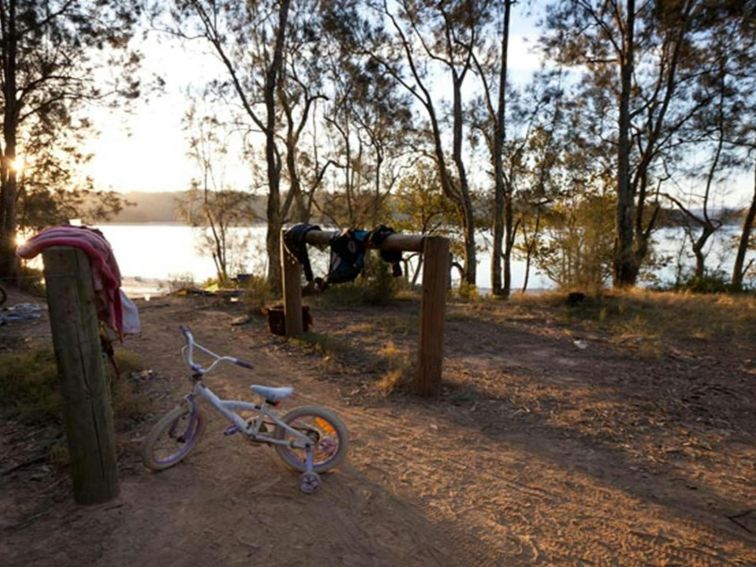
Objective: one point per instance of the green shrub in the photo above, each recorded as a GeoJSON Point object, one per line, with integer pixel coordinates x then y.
{"type": "Point", "coordinates": [31, 281]}
{"type": "Point", "coordinates": [257, 294]}
{"type": "Point", "coordinates": [379, 286]}
{"type": "Point", "coordinates": [29, 385]}
{"type": "Point", "coordinates": [713, 282]}
{"type": "Point", "coordinates": [178, 282]}
{"type": "Point", "coordinates": [30, 388]}
{"type": "Point", "coordinates": [376, 285]}
{"type": "Point", "coordinates": [467, 291]}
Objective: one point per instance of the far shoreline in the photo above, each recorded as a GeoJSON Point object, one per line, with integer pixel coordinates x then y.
{"type": "Point", "coordinates": [169, 223]}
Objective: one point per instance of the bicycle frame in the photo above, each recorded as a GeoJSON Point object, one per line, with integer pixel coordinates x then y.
{"type": "Point", "coordinates": [228, 408]}
{"type": "Point", "coordinates": [249, 427]}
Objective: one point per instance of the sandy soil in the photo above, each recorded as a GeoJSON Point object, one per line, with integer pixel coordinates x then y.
{"type": "Point", "coordinates": [538, 452]}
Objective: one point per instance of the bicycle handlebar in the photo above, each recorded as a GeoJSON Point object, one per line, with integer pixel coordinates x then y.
{"type": "Point", "coordinates": [198, 368]}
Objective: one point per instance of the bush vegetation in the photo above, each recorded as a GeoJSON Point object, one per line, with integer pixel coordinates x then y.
{"type": "Point", "coordinates": [257, 294]}
{"type": "Point", "coordinates": [30, 388]}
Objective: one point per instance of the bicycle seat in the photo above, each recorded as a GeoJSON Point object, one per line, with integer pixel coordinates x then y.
{"type": "Point", "coordinates": [272, 394]}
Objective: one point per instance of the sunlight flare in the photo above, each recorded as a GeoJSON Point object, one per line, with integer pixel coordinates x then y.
{"type": "Point", "coordinates": [17, 164]}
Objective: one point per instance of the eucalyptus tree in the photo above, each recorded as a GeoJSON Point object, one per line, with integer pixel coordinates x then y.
{"type": "Point", "coordinates": [722, 134]}
{"type": "Point", "coordinates": [540, 168]}
{"type": "Point", "coordinates": [371, 128]}
{"type": "Point", "coordinates": [368, 121]}
{"type": "Point", "coordinates": [269, 50]}
{"type": "Point", "coordinates": [211, 204]}
{"type": "Point", "coordinates": [302, 90]}
{"type": "Point", "coordinates": [745, 242]}
{"type": "Point", "coordinates": [645, 57]}
{"type": "Point", "coordinates": [52, 53]}
{"type": "Point", "coordinates": [563, 180]}
{"type": "Point", "coordinates": [491, 65]}
{"type": "Point", "coordinates": [429, 54]}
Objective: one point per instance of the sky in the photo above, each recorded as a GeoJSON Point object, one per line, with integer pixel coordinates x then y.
{"type": "Point", "coordinates": [145, 148]}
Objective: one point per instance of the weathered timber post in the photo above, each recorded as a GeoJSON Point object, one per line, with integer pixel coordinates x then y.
{"type": "Point", "coordinates": [292, 291]}
{"type": "Point", "coordinates": [86, 393]}
{"type": "Point", "coordinates": [435, 250]}
{"type": "Point", "coordinates": [432, 310]}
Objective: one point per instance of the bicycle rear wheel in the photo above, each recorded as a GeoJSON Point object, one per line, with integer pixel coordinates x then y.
{"type": "Point", "coordinates": [173, 437]}
{"type": "Point", "coordinates": [326, 430]}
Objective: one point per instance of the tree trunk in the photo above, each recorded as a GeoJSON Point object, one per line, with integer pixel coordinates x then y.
{"type": "Point", "coordinates": [509, 234]}
{"type": "Point", "coordinates": [471, 263]}
{"type": "Point", "coordinates": [698, 247]}
{"type": "Point", "coordinates": [465, 203]}
{"type": "Point", "coordinates": [625, 271]}
{"type": "Point", "coordinates": [275, 220]}
{"type": "Point", "coordinates": [8, 183]}
{"type": "Point", "coordinates": [295, 187]}
{"type": "Point", "coordinates": [708, 228]}
{"type": "Point", "coordinates": [737, 271]}
{"type": "Point", "coordinates": [531, 249]}
{"type": "Point", "coordinates": [8, 262]}
{"type": "Point", "coordinates": [498, 150]}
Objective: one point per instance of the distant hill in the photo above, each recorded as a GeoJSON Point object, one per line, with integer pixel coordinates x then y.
{"type": "Point", "coordinates": [150, 207]}
{"type": "Point", "coordinates": [163, 207]}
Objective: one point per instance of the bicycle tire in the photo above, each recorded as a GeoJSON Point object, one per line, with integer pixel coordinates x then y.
{"type": "Point", "coordinates": [330, 429]}
{"type": "Point", "coordinates": [185, 441]}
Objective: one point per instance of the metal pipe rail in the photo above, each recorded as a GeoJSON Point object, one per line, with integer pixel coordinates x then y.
{"type": "Point", "coordinates": [435, 251]}
{"type": "Point", "coordinates": [394, 242]}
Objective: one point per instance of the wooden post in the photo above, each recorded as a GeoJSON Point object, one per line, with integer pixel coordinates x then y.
{"type": "Point", "coordinates": [436, 278]}
{"type": "Point", "coordinates": [86, 393]}
{"type": "Point", "coordinates": [432, 308]}
{"type": "Point", "coordinates": [292, 291]}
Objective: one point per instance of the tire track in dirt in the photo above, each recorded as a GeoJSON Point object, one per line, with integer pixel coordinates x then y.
{"type": "Point", "coordinates": [425, 485]}
{"type": "Point", "coordinates": [608, 534]}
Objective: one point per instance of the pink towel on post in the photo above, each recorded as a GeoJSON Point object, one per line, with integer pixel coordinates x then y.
{"type": "Point", "coordinates": [106, 277]}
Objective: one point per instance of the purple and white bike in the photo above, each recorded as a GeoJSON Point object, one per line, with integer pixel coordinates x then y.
{"type": "Point", "coordinates": [308, 439]}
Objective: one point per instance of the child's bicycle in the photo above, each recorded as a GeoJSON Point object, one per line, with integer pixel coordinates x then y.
{"type": "Point", "coordinates": [308, 439]}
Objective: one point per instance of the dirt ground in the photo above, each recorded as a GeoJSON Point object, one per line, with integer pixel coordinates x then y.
{"type": "Point", "coordinates": [539, 451]}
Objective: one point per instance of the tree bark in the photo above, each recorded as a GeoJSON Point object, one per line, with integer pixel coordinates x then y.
{"type": "Point", "coordinates": [8, 183]}
{"type": "Point", "coordinates": [708, 227]}
{"type": "Point", "coordinates": [745, 235]}
{"type": "Point", "coordinates": [468, 220]}
{"type": "Point", "coordinates": [509, 233]}
{"type": "Point", "coordinates": [498, 149]}
{"type": "Point", "coordinates": [625, 270]}
{"type": "Point", "coordinates": [275, 218]}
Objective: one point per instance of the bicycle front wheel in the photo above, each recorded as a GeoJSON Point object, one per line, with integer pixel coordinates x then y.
{"type": "Point", "coordinates": [173, 437]}
{"type": "Point", "coordinates": [324, 428]}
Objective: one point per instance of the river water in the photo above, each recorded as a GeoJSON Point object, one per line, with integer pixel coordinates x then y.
{"type": "Point", "coordinates": [149, 254]}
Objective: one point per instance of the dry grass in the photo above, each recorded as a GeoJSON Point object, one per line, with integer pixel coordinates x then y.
{"type": "Point", "coordinates": [257, 294]}
{"type": "Point", "coordinates": [669, 316]}
{"type": "Point", "coordinates": [639, 320]}
{"type": "Point", "coordinates": [398, 374]}
{"type": "Point", "coordinates": [30, 388]}
{"type": "Point", "coordinates": [317, 343]}
{"type": "Point", "coordinates": [30, 394]}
